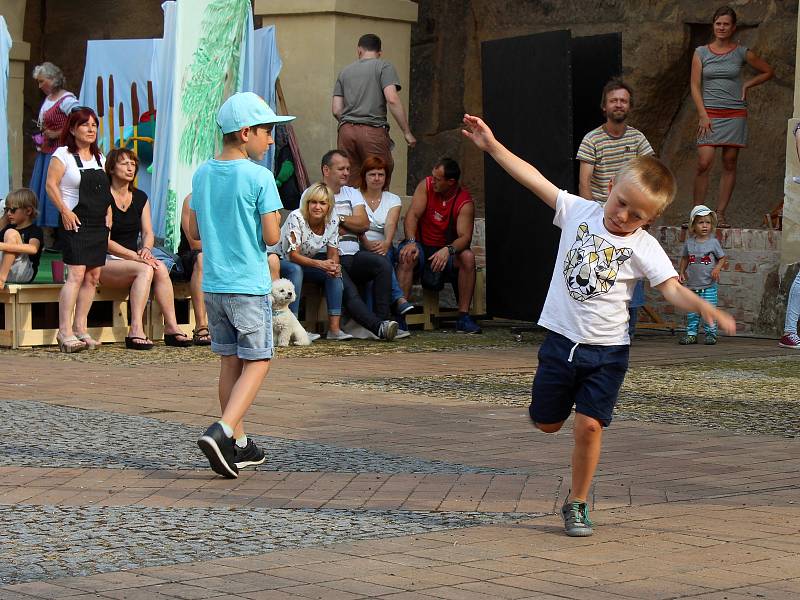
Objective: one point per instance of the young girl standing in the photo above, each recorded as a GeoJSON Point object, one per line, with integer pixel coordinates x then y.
{"type": "Point", "coordinates": [702, 260]}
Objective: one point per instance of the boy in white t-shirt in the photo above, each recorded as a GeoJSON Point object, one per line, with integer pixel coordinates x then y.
{"type": "Point", "coordinates": [602, 252]}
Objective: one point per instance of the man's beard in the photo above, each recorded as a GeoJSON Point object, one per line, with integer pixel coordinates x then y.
{"type": "Point", "coordinates": [619, 117]}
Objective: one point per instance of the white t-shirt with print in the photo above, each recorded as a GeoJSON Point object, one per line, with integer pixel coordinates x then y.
{"type": "Point", "coordinates": [71, 181]}
{"type": "Point", "coordinates": [595, 274]}
{"type": "Point", "coordinates": [377, 218]}
{"type": "Point", "coordinates": [307, 242]}
{"type": "Point", "coordinates": [346, 200]}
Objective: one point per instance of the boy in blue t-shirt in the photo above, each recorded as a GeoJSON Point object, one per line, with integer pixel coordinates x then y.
{"type": "Point", "coordinates": [234, 211]}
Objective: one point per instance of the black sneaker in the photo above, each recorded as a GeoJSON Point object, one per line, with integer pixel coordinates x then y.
{"type": "Point", "coordinates": [249, 456]}
{"type": "Point", "coordinates": [218, 449]}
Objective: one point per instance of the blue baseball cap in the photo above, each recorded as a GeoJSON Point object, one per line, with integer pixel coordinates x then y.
{"type": "Point", "coordinates": [247, 109]}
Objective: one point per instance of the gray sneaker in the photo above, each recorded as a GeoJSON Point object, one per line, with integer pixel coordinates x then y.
{"type": "Point", "coordinates": [313, 336]}
{"type": "Point", "coordinates": [576, 519]}
{"type": "Point", "coordinates": [388, 330]}
{"type": "Point", "coordinates": [339, 336]}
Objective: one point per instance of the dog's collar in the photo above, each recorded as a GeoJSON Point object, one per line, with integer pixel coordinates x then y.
{"type": "Point", "coordinates": [277, 312]}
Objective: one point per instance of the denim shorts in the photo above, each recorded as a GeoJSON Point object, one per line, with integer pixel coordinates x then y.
{"type": "Point", "coordinates": [240, 325]}
{"type": "Point", "coordinates": [582, 375]}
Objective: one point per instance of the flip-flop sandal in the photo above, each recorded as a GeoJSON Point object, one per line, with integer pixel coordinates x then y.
{"type": "Point", "coordinates": [201, 339]}
{"type": "Point", "coordinates": [178, 340]}
{"type": "Point", "coordinates": [138, 343]}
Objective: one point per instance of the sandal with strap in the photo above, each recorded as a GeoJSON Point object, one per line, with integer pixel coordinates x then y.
{"type": "Point", "coordinates": [91, 343]}
{"type": "Point", "coordinates": [138, 343]}
{"type": "Point", "coordinates": [179, 340]}
{"type": "Point", "coordinates": [199, 338]}
{"type": "Point", "coordinates": [69, 344]}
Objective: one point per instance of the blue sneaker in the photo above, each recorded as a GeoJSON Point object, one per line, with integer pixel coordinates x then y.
{"type": "Point", "coordinates": [465, 324]}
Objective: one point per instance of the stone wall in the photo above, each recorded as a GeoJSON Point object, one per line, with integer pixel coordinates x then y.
{"type": "Point", "coordinates": [752, 288]}
{"type": "Point", "coordinates": [658, 41]}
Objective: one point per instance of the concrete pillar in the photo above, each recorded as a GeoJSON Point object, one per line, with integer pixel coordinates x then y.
{"type": "Point", "coordinates": [790, 236]}
{"type": "Point", "coordinates": [316, 40]}
{"type": "Point", "coordinates": [14, 13]}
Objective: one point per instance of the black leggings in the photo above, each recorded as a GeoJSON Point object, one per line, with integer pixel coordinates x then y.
{"type": "Point", "coordinates": [357, 270]}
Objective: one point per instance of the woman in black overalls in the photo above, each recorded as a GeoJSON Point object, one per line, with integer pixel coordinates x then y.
{"type": "Point", "coordinates": [79, 187]}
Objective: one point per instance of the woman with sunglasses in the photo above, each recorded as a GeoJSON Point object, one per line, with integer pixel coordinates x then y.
{"type": "Point", "coordinates": [79, 188]}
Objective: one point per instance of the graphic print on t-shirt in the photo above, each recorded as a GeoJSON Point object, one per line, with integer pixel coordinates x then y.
{"type": "Point", "coordinates": [704, 259]}
{"type": "Point", "coordinates": [591, 265]}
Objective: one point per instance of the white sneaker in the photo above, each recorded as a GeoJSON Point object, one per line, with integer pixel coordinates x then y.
{"type": "Point", "coordinates": [339, 336]}
{"type": "Point", "coordinates": [313, 336]}
{"type": "Point", "coordinates": [388, 330]}
{"type": "Point", "coordinates": [796, 179]}
{"type": "Point", "coordinates": [402, 333]}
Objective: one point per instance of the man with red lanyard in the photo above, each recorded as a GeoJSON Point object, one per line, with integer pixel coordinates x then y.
{"type": "Point", "coordinates": [438, 228]}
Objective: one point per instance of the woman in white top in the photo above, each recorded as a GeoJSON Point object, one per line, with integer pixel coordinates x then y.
{"type": "Point", "coordinates": [80, 190]}
{"type": "Point", "coordinates": [310, 239]}
{"type": "Point", "coordinates": [383, 210]}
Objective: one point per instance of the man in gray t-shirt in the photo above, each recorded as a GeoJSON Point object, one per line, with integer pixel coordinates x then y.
{"type": "Point", "coordinates": [361, 95]}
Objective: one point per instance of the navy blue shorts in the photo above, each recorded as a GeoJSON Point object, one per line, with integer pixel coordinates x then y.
{"type": "Point", "coordinates": [590, 381]}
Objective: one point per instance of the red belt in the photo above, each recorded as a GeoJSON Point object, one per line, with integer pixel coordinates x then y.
{"type": "Point", "coordinates": [726, 113]}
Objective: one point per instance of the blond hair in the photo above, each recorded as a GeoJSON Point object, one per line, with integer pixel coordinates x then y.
{"type": "Point", "coordinates": [652, 177]}
{"type": "Point", "coordinates": [23, 198]}
{"type": "Point", "coordinates": [317, 191]}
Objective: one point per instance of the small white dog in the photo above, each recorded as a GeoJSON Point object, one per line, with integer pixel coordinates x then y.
{"type": "Point", "coordinates": [286, 328]}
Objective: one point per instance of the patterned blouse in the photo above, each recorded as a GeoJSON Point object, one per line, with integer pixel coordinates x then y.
{"type": "Point", "coordinates": [306, 241]}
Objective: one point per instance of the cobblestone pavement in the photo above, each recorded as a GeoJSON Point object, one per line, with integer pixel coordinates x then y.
{"type": "Point", "coordinates": [53, 541]}
{"type": "Point", "coordinates": [46, 435]}
{"type": "Point", "coordinates": [754, 395]}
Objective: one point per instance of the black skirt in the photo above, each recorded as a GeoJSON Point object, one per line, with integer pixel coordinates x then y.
{"type": "Point", "coordinates": [87, 246]}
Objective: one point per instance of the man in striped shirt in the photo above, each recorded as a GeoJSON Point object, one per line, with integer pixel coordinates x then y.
{"type": "Point", "coordinates": [605, 149]}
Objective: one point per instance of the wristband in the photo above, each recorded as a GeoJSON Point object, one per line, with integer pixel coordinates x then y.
{"type": "Point", "coordinates": [451, 249]}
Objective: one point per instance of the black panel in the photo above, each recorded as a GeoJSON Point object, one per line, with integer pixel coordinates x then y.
{"type": "Point", "coordinates": [527, 103]}
{"type": "Point", "coordinates": [595, 60]}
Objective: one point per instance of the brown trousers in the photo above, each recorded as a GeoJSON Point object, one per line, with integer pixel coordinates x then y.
{"type": "Point", "coordinates": [361, 141]}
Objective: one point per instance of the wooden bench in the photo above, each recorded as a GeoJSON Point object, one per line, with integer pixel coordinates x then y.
{"type": "Point", "coordinates": [30, 314]}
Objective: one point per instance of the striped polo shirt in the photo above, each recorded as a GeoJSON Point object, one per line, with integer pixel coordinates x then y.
{"type": "Point", "coordinates": [607, 154]}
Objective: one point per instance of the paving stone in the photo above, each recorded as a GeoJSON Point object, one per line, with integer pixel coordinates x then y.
{"type": "Point", "coordinates": [60, 541]}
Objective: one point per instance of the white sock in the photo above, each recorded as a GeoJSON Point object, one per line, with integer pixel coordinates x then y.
{"type": "Point", "coordinates": [226, 428]}
{"type": "Point", "coordinates": [242, 441]}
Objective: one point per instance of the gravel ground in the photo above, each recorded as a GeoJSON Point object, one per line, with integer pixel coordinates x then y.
{"type": "Point", "coordinates": [46, 435]}
{"type": "Point", "coordinates": [46, 542]}
{"type": "Point", "coordinates": [744, 396]}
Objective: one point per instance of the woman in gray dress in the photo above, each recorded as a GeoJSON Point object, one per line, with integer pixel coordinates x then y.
{"type": "Point", "coordinates": [720, 95]}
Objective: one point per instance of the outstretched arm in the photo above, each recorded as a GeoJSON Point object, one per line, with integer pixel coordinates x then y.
{"type": "Point", "coordinates": [688, 301]}
{"type": "Point", "coordinates": [479, 134]}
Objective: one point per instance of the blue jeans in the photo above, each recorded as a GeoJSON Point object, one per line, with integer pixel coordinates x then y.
{"type": "Point", "coordinates": [240, 325]}
{"type": "Point", "coordinates": [334, 287]}
{"type": "Point", "coordinates": [793, 307]}
{"type": "Point", "coordinates": [294, 273]}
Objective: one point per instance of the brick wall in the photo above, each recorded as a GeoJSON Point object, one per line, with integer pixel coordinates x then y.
{"type": "Point", "coordinates": [749, 287]}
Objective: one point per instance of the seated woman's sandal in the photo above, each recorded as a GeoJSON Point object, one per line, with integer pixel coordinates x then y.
{"type": "Point", "coordinates": [179, 340]}
{"type": "Point", "coordinates": [138, 343]}
{"type": "Point", "coordinates": [201, 336]}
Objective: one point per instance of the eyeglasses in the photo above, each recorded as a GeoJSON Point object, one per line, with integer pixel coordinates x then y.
{"type": "Point", "coordinates": [8, 209]}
